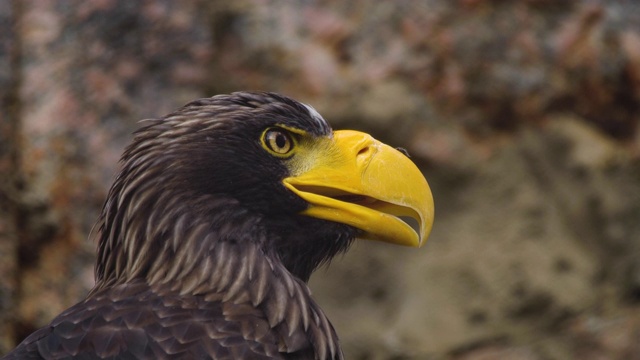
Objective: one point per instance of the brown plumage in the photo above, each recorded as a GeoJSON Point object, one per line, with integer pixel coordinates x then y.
{"type": "Point", "coordinates": [202, 252]}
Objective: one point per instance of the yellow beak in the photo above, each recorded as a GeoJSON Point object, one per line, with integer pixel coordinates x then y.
{"type": "Point", "coordinates": [359, 181]}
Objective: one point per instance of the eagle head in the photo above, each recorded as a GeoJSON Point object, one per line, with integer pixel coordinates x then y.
{"type": "Point", "coordinates": [254, 169]}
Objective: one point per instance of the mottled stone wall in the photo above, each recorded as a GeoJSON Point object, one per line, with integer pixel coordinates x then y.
{"type": "Point", "coordinates": [9, 181]}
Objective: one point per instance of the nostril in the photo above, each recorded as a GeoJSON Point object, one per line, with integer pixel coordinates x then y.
{"type": "Point", "coordinates": [366, 150]}
{"type": "Point", "coordinates": [363, 151]}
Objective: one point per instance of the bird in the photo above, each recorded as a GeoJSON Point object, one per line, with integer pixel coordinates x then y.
{"type": "Point", "coordinates": [218, 216]}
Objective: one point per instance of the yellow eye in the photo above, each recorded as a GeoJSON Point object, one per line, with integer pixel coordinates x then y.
{"type": "Point", "coordinates": [277, 141]}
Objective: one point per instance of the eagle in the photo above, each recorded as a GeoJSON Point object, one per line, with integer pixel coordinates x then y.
{"type": "Point", "coordinates": [216, 220]}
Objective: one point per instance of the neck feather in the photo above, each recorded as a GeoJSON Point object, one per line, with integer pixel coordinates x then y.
{"type": "Point", "coordinates": [175, 251]}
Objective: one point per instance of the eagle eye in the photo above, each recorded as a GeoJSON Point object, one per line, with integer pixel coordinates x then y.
{"type": "Point", "coordinates": [278, 142]}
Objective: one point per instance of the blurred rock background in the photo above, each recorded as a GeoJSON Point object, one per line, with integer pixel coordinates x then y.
{"type": "Point", "coordinates": [523, 116]}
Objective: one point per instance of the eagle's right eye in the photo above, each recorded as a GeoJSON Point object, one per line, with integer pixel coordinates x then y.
{"type": "Point", "coordinates": [278, 142]}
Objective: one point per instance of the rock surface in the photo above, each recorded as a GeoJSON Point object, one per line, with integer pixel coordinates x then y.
{"type": "Point", "coordinates": [523, 116]}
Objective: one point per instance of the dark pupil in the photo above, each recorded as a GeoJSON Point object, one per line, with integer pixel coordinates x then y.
{"type": "Point", "coordinates": [281, 141]}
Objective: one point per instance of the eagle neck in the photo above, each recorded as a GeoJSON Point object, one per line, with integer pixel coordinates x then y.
{"type": "Point", "coordinates": [205, 255]}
